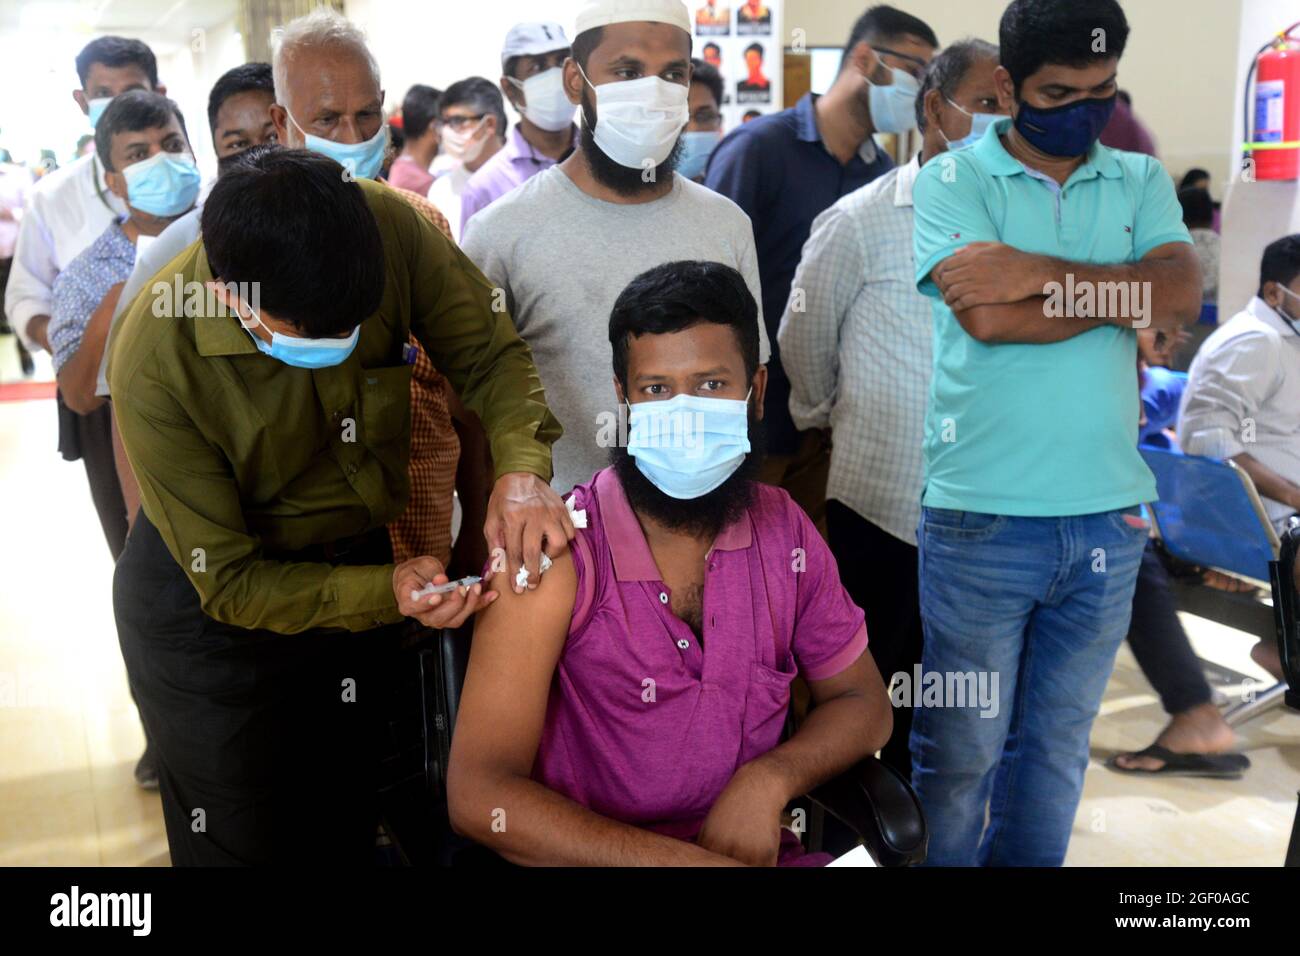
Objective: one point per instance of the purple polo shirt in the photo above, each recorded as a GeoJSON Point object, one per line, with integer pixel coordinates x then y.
{"type": "Point", "coordinates": [514, 164]}
{"type": "Point", "coordinates": [644, 726]}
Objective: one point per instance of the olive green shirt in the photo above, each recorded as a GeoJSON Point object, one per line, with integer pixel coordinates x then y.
{"type": "Point", "coordinates": [240, 457]}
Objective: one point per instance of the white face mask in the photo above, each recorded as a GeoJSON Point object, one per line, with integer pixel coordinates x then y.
{"type": "Point", "coordinates": [462, 147]}
{"type": "Point", "coordinates": [893, 107]}
{"type": "Point", "coordinates": [638, 121]}
{"type": "Point", "coordinates": [546, 105]}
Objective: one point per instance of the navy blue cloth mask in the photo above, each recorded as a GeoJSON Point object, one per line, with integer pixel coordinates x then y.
{"type": "Point", "coordinates": [1066, 131]}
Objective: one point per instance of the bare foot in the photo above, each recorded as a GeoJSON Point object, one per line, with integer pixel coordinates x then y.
{"type": "Point", "coordinates": [1266, 656]}
{"type": "Point", "coordinates": [1201, 730]}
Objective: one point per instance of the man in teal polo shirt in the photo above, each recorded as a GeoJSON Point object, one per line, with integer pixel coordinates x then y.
{"type": "Point", "coordinates": [1044, 252]}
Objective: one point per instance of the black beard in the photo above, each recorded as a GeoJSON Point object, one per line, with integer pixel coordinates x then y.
{"type": "Point", "coordinates": [700, 517]}
{"type": "Point", "coordinates": [622, 179]}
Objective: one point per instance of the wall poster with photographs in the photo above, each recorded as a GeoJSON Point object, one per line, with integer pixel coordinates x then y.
{"type": "Point", "coordinates": [742, 39]}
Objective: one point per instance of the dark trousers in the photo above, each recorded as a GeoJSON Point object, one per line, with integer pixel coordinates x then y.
{"type": "Point", "coordinates": [90, 439]}
{"type": "Point", "coordinates": [267, 743]}
{"type": "Point", "coordinates": [1160, 644]}
{"type": "Point", "coordinates": [880, 573]}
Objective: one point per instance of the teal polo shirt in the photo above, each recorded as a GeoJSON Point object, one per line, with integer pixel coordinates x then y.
{"type": "Point", "coordinates": [1037, 430]}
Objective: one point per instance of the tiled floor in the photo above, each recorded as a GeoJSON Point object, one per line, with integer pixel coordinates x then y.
{"type": "Point", "coordinates": [69, 736]}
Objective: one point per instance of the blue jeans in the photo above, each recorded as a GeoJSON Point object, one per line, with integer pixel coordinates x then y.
{"type": "Point", "coordinates": [1038, 606]}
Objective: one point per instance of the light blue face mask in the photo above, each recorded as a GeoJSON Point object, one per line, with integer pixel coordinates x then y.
{"type": "Point", "coordinates": [696, 150]}
{"type": "Point", "coordinates": [303, 353]}
{"type": "Point", "coordinates": [95, 109]}
{"type": "Point", "coordinates": [979, 124]}
{"type": "Point", "coordinates": [893, 107]}
{"type": "Point", "coordinates": [362, 160]}
{"type": "Point", "coordinates": [688, 445]}
{"type": "Point", "coordinates": [165, 184]}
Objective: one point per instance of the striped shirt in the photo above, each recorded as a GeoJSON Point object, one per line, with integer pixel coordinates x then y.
{"type": "Point", "coordinates": [856, 343]}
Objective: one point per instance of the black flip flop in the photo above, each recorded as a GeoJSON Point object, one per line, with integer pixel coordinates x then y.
{"type": "Point", "coordinates": [1216, 766]}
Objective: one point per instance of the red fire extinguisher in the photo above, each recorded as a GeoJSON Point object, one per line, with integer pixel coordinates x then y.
{"type": "Point", "coordinates": [1273, 123]}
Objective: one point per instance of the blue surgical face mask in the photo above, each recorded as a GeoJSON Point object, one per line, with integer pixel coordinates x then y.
{"type": "Point", "coordinates": [303, 353]}
{"type": "Point", "coordinates": [979, 124]}
{"type": "Point", "coordinates": [165, 184]}
{"type": "Point", "coordinates": [1287, 316]}
{"type": "Point", "coordinates": [1065, 131]}
{"type": "Point", "coordinates": [688, 445]}
{"type": "Point", "coordinates": [95, 109]}
{"type": "Point", "coordinates": [893, 107]}
{"type": "Point", "coordinates": [362, 160]}
{"type": "Point", "coordinates": [696, 150]}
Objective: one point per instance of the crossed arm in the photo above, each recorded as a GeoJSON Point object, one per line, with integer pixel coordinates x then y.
{"type": "Point", "coordinates": [517, 645]}
{"type": "Point", "coordinates": [999, 294]}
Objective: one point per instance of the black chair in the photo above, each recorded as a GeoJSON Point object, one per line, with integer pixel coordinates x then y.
{"type": "Point", "coordinates": [875, 804]}
{"type": "Point", "coordinates": [1286, 602]}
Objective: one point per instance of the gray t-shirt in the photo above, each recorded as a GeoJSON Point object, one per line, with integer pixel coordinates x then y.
{"type": "Point", "coordinates": [563, 257]}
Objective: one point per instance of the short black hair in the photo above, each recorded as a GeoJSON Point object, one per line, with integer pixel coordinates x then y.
{"type": "Point", "coordinates": [480, 95]}
{"type": "Point", "coordinates": [419, 109]}
{"type": "Point", "coordinates": [584, 43]}
{"type": "Point", "coordinates": [117, 51]}
{"type": "Point", "coordinates": [1281, 262]}
{"type": "Point", "coordinates": [678, 295]}
{"type": "Point", "coordinates": [948, 69]}
{"type": "Point", "coordinates": [1034, 33]}
{"type": "Point", "coordinates": [275, 218]}
{"type": "Point", "coordinates": [130, 112]}
{"type": "Point", "coordinates": [756, 46]}
{"type": "Point", "coordinates": [715, 47]}
{"type": "Point", "coordinates": [1193, 175]}
{"type": "Point", "coordinates": [707, 74]}
{"type": "Point", "coordinates": [884, 23]}
{"type": "Point", "coordinates": [245, 78]}
{"type": "Point", "coordinates": [1198, 208]}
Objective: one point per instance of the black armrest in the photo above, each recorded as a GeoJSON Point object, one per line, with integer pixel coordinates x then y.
{"type": "Point", "coordinates": [442, 674]}
{"type": "Point", "coordinates": [1285, 607]}
{"type": "Point", "coordinates": [877, 804]}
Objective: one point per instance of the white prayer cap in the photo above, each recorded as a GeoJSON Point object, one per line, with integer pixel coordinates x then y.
{"type": "Point", "coordinates": [530, 39]}
{"type": "Point", "coordinates": [603, 13]}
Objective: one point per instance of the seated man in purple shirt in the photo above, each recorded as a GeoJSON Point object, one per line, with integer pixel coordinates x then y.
{"type": "Point", "coordinates": [629, 710]}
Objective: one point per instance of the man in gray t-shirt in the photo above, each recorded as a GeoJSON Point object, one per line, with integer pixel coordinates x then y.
{"type": "Point", "coordinates": [563, 245]}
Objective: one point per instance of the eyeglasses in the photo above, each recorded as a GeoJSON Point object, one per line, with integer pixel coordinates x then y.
{"type": "Point", "coordinates": [914, 64]}
{"type": "Point", "coordinates": [707, 117]}
{"type": "Point", "coordinates": [459, 123]}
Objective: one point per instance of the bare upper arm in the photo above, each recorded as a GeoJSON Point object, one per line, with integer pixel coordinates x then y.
{"type": "Point", "coordinates": [861, 678]}
{"type": "Point", "coordinates": [517, 644]}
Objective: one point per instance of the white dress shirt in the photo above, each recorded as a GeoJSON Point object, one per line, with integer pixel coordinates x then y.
{"type": "Point", "coordinates": [1243, 396]}
{"type": "Point", "coordinates": [858, 355]}
{"type": "Point", "coordinates": [66, 211]}
{"type": "Point", "coordinates": [445, 193]}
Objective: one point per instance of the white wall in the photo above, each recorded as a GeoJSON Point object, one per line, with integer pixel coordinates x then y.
{"type": "Point", "coordinates": [440, 41]}
{"type": "Point", "coordinates": [1181, 65]}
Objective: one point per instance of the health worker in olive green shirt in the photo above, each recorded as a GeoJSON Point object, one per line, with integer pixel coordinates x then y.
{"type": "Point", "coordinates": [261, 388]}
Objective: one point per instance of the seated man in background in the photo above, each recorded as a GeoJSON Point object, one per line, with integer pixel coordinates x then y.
{"type": "Point", "coordinates": [630, 712]}
{"type": "Point", "coordinates": [1243, 395]}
